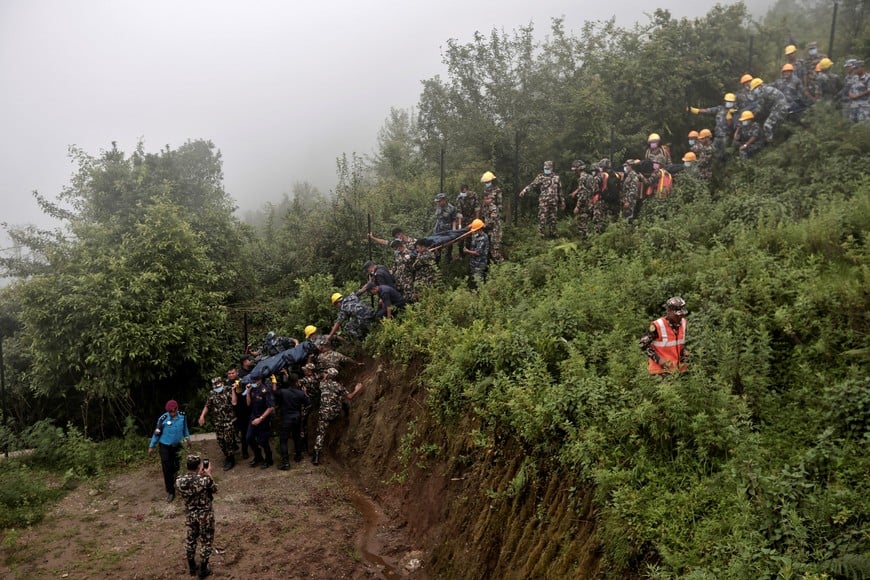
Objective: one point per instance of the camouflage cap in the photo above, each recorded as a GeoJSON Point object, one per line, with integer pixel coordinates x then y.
{"type": "Point", "coordinates": [396, 243]}
{"type": "Point", "coordinates": [331, 372]}
{"type": "Point", "coordinates": [604, 163]}
{"type": "Point", "coordinates": [217, 381]}
{"type": "Point", "coordinates": [677, 304]}
{"type": "Point", "coordinates": [440, 196]}
{"type": "Point", "coordinates": [578, 165]}
{"type": "Point", "coordinates": [308, 367]}
{"type": "Point", "coordinates": [548, 165]}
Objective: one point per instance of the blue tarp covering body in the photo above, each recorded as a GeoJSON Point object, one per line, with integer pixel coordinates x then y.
{"type": "Point", "coordinates": [273, 364]}
{"type": "Point", "coordinates": [446, 237]}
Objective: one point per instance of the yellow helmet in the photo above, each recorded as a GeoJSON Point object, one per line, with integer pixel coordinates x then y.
{"type": "Point", "coordinates": [731, 97]}
{"type": "Point", "coordinates": [756, 82]}
{"type": "Point", "coordinates": [309, 330]}
{"type": "Point", "coordinates": [705, 134]}
{"type": "Point", "coordinates": [476, 224]}
{"type": "Point", "coordinates": [693, 134]}
{"type": "Point", "coordinates": [790, 49]}
{"type": "Point", "coordinates": [787, 66]}
{"type": "Point", "coordinates": [690, 156]}
{"type": "Point", "coordinates": [653, 137]}
{"type": "Point", "coordinates": [487, 177]}
{"type": "Point", "coordinates": [336, 297]}
{"type": "Point", "coordinates": [824, 64]}
{"type": "Point", "coordinates": [746, 116]}
{"type": "Point", "coordinates": [745, 78]}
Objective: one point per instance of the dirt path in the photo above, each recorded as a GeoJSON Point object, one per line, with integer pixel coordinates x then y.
{"type": "Point", "coordinates": [308, 522]}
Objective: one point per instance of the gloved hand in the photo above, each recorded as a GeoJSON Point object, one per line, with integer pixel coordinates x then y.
{"type": "Point", "coordinates": [694, 110]}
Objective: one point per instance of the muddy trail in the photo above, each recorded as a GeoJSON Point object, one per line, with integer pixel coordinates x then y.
{"type": "Point", "coordinates": [307, 522]}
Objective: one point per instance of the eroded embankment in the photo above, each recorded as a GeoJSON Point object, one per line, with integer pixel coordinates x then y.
{"type": "Point", "coordinates": [474, 511]}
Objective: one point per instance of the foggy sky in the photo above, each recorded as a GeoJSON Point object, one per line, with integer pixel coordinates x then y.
{"type": "Point", "coordinates": [281, 87]}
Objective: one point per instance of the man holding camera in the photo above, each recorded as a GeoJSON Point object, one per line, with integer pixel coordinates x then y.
{"type": "Point", "coordinates": [197, 489]}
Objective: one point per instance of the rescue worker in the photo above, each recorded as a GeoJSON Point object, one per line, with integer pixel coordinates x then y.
{"type": "Point", "coordinates": [693, 138]}
{"type": "Point", "coordinates": [772, 106]}
{"type": "Point", "coordinates": [793, 89]}
{"type": "Point", "coordinates": [656, 152]}
{"type": "Point", "coordinates": [826, 85]}
{"type": "Point", "coordinates": [665, 340]}
{"type": "Point", "coordinates": [492, 219]}
{"type": "Point", "coordinates": [745, 100]}
{"type": "Point", "coordinates": [749, 137]}
{"type": "Point", "coordinates": [798, 65]}
{"type": "Point", "coordinates": [549, 201]}
{"type": "Point", "coordinates": [222, 401]}
{"type": "Point", "coordinates": [859, 93]}
{"type": "Point", "coordinates": [724, 128]}
{"type": "Point", "coordinates": [446, 220]}
{"type": "Point", "coordinates": [332, 394]}
{"type": "Point", "coordinates": [631, 190]}
{"type": "Point", "coordinates": [583, 207]}
{"type": "Point", "coordinates": [704, 151]}
{"type": "Point", "coordinates": [488, 179]}
{"type": "Point", "coordinates": [354, 316]}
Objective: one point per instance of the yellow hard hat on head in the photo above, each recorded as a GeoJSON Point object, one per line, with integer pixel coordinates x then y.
{"type": "Point", "coordinates": [746, 116]}
{"type": "Point", "coordinates": [704, 134]}
{"type": "Point", "coordinates": [790, 49]}
{"type": "Point", "coordinates": [787, 66]}
{"type": "Point", "coordinates": [824, 64]}
{"type": "Point", "coordinates": [745, 78]}
{"type": "Point", "coordinates": [487, 177]}
{"type": "Point", "coordinates": [693, 134]}
{"type": "Point", "coordinates": [690, 156]}
{"type": "Point", "coordinates": [335, 297]}
{"type": "Point", "coordinates": [653, 137]}
{"type": "Point", "coordinates": [731, 97]}
{"type": "Point", "coordinates": [476, 224]}
{"type": "Point", "coordinates": [756, 82]}
{"type": "Point", "coordinates": [309, 330]}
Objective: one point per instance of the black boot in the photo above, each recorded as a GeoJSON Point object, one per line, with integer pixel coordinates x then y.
{"type": "Point", "coordinates": [204, 570]}
{"type": "Point", "coordinates": [230, 462]}
{"type": "Point", "coordinates": [315, 459]}
{"type": "Point", "coordinates": [191, 564]}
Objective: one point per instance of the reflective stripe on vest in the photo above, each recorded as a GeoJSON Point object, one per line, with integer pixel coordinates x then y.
{"type": "Point", "coordinates": [668, 346]}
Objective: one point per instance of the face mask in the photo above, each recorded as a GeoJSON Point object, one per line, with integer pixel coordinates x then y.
{"type": "Point", "coordinates": [625, 168]}
{"type": "Point", "coordinates": [691, 142]}
{"type": "Point", "coordinates": [729, 105]}
{"type": "Point", "coordinates": [687, 163]}
{"type": "Point", "coordinates": [653, 145]}
{"type": "Point", "coordinates": [744, 123]}
{"type": "Point", "coordinates": [813, 52]}
{"type": "Point", "coordinates": [488, 184]}
{"type": "Point", "coordinates": [548, 171]}
{"type": "Point", "coordinates": [463, 193]}
{"type": "Point", "coordinates": [756, 91]}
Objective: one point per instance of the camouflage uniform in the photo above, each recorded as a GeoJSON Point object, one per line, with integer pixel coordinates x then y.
{"type": "Point", "coordinates": [772, 107]}
{"type": "Point", "coordinates": [587, 209]}
{"type": "Point", "coordinates": [402, 272]}
{"type": "Point", "coordinates": [197, 491]}
{"type": "Point", "coordinates": [753, 129]}
{"type": "Point", "coordinates": [426, 272]}
{"type": "Point", "coordinates": [660, 155]}
{"type": "Point", "coordinates": [492, 217]}
{"type": "Point", "coordinates": [331, 359]}
{"type": "Point", "coordinates": [355, 316]}
{"type": "Point", "coordinates": [793, 90]}
{"type": "Point", "coordinates": [468, 206]}
{"type": "Point", "coordinates": [704, 153]}
{"type": "Point", "coordinates": [220, 402]}
{"type": "Point", "coordinates": [859, 109]}
{"type": "Point", "coordinates": [311, 386]}
{"type": "Point", "coordinates": [724, 128]}
{"type": "Point", "coordinates": [825, 86]}
{"type": "Point", "coordinates": [548, 202]}
{"type": "Point", "coordinates": [478, 263]}
{"type": "Point", "coordinates": [496, 198]}
{"type": "Point", "coordinates": [332, 393]}
{"type": "Point", "coordinates": [631, 192]}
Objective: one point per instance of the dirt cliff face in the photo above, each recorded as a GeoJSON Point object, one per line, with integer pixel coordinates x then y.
{"type": "Point", "coordinates": [476, 509]}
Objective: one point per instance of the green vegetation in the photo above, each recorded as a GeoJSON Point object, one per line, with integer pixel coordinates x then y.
{"type": "Point", "coordinates": [752, 465]}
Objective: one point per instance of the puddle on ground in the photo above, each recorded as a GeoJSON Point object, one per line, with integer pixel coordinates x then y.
{"type": "Point", "coordinates": [369, 546]}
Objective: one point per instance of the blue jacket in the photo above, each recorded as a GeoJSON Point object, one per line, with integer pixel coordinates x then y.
{"type": "Point", "coordinates": [170, 431]}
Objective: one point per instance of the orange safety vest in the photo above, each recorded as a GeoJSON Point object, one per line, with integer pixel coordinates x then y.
{"type": "Point", "coordinates": [662, 189]}
{"type": "Point", "coordinates": [668, 346]}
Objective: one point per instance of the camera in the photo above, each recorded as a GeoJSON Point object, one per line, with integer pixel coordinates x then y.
{"type": "Point", "coordinates": [205, 463]}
